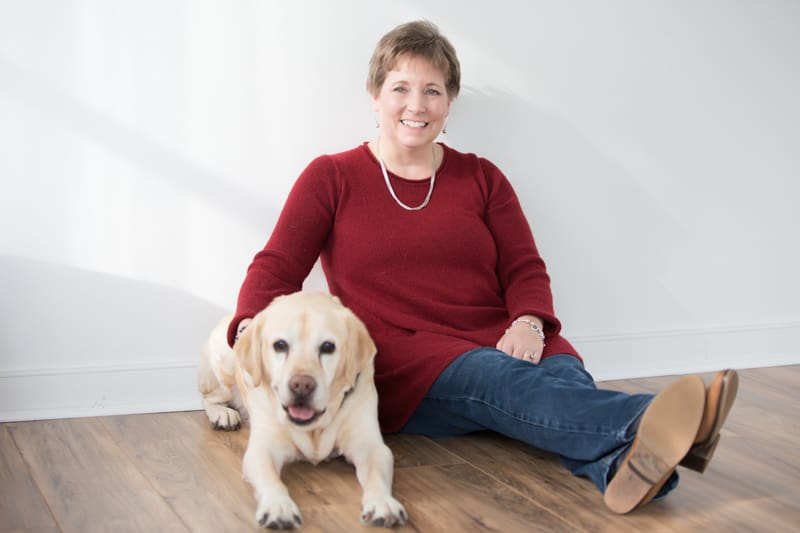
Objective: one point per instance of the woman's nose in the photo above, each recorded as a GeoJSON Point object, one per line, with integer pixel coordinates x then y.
{"type": "Point", "coordinates": [416, 102]}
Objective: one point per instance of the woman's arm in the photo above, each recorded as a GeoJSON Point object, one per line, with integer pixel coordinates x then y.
{"type": "Point", "coordinates": [521, 271]}
{"type": "Point", "coordinates": [295, 243]}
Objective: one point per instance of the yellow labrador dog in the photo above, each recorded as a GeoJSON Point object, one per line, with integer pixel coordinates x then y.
{"type": "Point", "coordinates": [303, 369]}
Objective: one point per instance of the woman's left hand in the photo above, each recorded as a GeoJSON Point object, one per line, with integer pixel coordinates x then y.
{"type": "Point", "coordinates": [522, 342]}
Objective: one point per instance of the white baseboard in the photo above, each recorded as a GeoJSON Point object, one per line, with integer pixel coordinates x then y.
{"type": "Point", "coordinates": [35, 394]}
{"type": "Point", "coordinates": [662, 353]}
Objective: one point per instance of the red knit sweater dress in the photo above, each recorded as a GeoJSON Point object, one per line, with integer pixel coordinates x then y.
{"type": "Point", "coordinates": [429, 285]}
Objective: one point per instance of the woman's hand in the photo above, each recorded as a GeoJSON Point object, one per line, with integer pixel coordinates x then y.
{"type": "Point", "coordinates": [522, 341]}
{"type": "Point", "coordinates": [240, 328]}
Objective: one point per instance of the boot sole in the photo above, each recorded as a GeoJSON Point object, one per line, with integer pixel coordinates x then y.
{"type": "Point", "coordinates": [666, 432]}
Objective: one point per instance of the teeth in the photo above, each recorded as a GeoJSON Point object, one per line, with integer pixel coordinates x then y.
{"type": "Point", "coordinates": [412, 124]}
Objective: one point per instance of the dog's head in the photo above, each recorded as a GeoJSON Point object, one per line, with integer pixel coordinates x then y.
{"type": "Point", "coordinates": [309, 350]}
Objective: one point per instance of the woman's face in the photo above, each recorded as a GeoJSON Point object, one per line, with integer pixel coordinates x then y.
{"type": "Point", "coordinates": [412, 104]}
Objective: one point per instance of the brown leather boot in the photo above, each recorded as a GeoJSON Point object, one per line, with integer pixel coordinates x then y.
{"type": "Point", "coordinates": [720, 395]}
{"type": "Point", "coordinates": [666, 432]}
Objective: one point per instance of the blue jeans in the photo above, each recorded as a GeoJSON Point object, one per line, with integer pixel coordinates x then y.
{"type": "Point", "coordinates": [554, 406]}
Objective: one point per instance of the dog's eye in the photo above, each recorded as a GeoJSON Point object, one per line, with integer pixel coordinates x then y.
{"type": "Point", "coordinates": [281, 346]}
{"type": "Point", "coordinates": [327, 348]}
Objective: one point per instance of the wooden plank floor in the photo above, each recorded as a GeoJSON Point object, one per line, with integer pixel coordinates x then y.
{"type": "Point", "coordinates": [172, 472]}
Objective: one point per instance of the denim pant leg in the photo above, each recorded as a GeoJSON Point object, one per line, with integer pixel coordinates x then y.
{"type": "Point", "coordinates": [554, 406]}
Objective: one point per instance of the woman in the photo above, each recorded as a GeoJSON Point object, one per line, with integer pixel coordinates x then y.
{"type": "Point", "coordinates": [431, 249]}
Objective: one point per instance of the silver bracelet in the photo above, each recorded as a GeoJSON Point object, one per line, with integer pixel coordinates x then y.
{"type": "Point", "coordinates": [534, 327]}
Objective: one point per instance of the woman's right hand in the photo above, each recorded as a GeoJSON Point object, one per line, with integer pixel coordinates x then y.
{"type": "Point", "coordinates": [241, 327]}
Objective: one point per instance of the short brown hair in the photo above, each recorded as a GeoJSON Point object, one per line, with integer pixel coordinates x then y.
{"type": "Point", "coordinates": [419, 38]}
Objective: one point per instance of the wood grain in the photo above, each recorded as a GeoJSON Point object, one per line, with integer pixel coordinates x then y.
{"type": "Point", "coordinates": [196, 470]}
{"type": "Point", "coordinates": [172, 472]}
{"type": "Point", "coordinates": [86, 480]}
{"type": "Point", "coordinates": [462, 498]}
{"type": "Point", "coordinates": [22, 506]}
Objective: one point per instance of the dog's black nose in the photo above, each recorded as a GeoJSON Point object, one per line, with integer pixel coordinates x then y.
{"type": "Point", "coordinates": [302, 385]}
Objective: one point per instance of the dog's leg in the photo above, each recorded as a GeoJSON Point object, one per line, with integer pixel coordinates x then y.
{"type": "Point", "coordinates": [262, 465]}
{"type": "Point", "coordinates": [215, 382]}
{"type": "Point", "coordinates": [215, 403]}
{"type": "Point", "coordinates": [216, 398]}
{"type": "Point", "coordinates": [374, 464]}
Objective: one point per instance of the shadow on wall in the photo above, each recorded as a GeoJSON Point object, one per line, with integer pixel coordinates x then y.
{"type": "Point", "coordinates": [600, 231]}
{"type": "Point", "coordinates": [143, 152]}
{"type": "Point", "coordinates": [56, 316]}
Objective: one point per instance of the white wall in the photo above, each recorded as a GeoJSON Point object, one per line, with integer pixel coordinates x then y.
{"type": "Point", "coordinates": [146, 148]}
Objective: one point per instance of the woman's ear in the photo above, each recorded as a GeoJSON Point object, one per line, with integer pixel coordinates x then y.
{"type": "Point", "coordinates": [373, 98]}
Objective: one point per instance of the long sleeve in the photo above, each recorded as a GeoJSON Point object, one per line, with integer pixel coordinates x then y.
{"type": "Point", "coordinates": [520, 269]}
{"type": "Point", "coordinates": [295, 244]}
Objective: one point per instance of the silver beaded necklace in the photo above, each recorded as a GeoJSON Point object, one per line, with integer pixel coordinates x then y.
{"type": "Point", "coordinates": [389, 185]}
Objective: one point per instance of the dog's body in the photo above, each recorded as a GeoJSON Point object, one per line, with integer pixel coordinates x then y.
{"type": "Point", "coordinates": [304, 371]}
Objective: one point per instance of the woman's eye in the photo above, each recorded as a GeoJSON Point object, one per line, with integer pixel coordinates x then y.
{"type": "Point", "coordinates": [433, 92]}
{"type": "Point", "coordinates": [399, 89]}
{"type": "Point", "coordinates": [281, 346]}
{"type": "Point", "coordinates": [327, 348]}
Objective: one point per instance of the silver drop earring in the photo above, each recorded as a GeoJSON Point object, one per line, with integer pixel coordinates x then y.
{"type": "Point", "coordinates": [444, 129]}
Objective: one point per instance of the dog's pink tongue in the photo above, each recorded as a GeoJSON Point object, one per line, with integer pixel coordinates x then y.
{"type": "Point", "coordinates": [300, 412]}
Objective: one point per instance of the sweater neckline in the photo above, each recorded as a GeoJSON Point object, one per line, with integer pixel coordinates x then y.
{"type": "Point", "coordinates": [439, 171]}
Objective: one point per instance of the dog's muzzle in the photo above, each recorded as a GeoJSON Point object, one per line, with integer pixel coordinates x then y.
{"type": "Point", "coordinates": [300, 412]}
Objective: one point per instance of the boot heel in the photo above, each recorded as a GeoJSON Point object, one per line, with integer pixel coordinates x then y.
{"type": "Point", "coordinates": [700, 455]}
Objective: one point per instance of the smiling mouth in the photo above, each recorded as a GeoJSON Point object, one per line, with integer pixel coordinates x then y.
{"type": "Point", "coordinates": [302, 415]}
{"type": "Point", "coordinates": [413, 123]}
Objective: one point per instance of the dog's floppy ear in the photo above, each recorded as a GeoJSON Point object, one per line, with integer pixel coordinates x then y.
{"type": "Point", "coordinates": [248, 353]}
{"type": "Point", "coordinates": [360, 346]}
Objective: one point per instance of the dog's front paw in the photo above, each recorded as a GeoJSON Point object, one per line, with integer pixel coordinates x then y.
{"type": "Point", "coordinates": [383, 511]}
{"type": "Point", "coordinates": [224, 418]}
{"type": "Point", "coordinates": [279, 514]}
